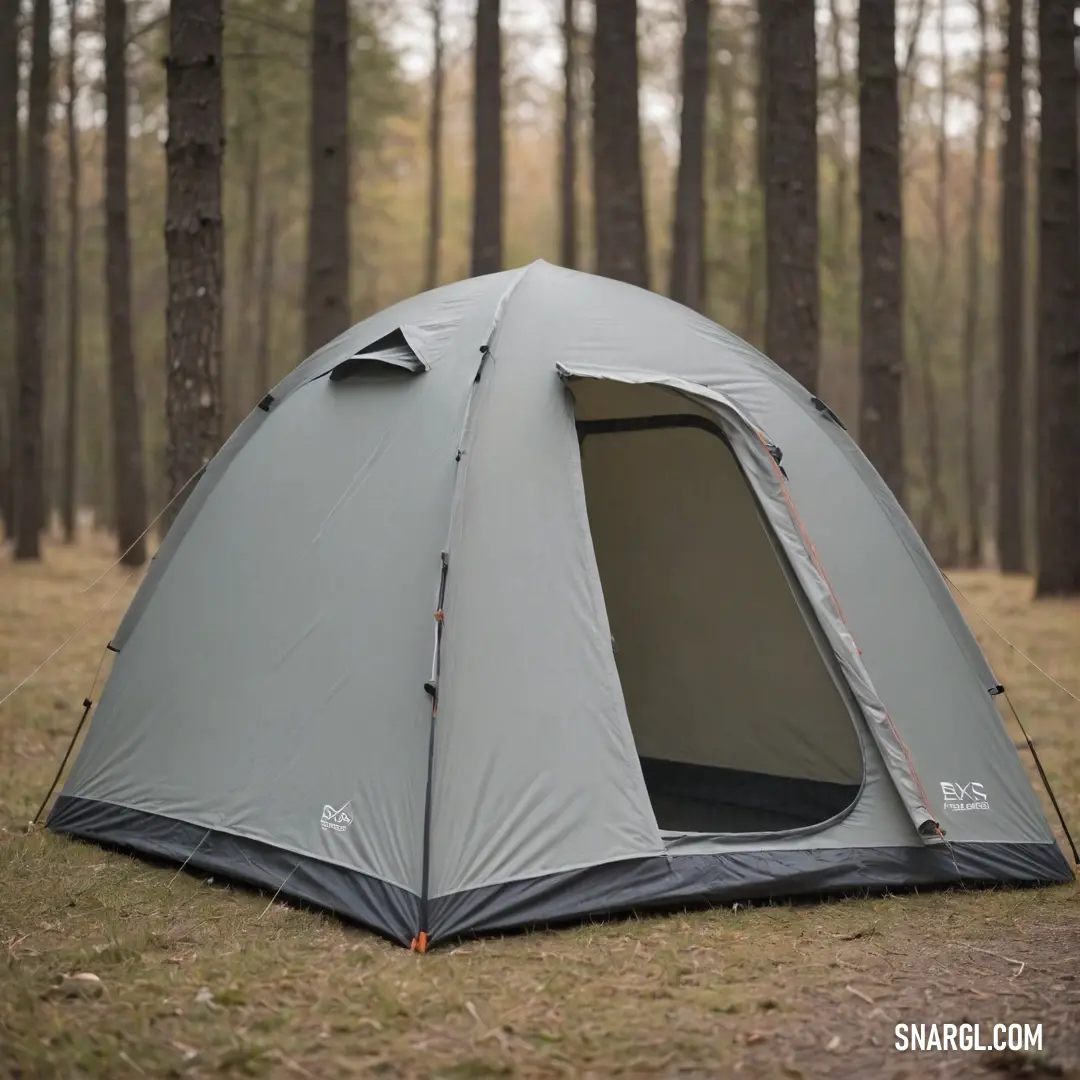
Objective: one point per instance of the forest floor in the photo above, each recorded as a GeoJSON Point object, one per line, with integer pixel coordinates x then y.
{"type": "Point", "coordinates": [201, 980]}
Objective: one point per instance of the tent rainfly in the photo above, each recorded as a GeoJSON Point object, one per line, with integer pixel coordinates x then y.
{"type": "Point", "coordinates": [686, 646]}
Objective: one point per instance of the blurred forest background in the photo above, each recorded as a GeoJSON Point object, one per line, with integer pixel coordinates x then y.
{"type": "Point", "coordinates": [965, 349]}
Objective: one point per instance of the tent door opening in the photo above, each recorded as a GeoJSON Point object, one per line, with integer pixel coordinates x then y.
{"type": "Point", "coordinates": [741, 719]}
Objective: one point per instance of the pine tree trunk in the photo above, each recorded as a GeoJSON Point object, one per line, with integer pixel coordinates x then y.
{"type": "Point", "coordinates": [752, 329]}
{"type": "Point", "coordinates": [193, 241]}
{"type": "Point", "coordinates": [622, 250]}
{"type": "Point", "coordinates": [911, 52]}
{"type": "Point", "coordinates": [69, 481]}
{"type": "Point", "coordinates": [792, 293]}
{"type": "Point", "coordinates": [434, 229]}
{"type": "Point", "coordinates": [29, 461]}
{"type": "Point", "coordinates": [487, 239]}
{"type": "Point", "coordinates": [10, 254]}
{"type": "Point", "coordinates": [244, 352]}
{"type": "Point", "coordinates": [1058, 452]}
{"type": "Point", "coordinates": [568, 179]}
{"type": "Point", "coordinates": [128, 472]}
{"type": "Point", "coordinates": [1012, 291]}
{"type": "Point", "coordinates": [725, 161]}
{"type": "Point", "coordinates": [971, 555]}
{"type": "Point", "coordinates": [326, 306]}
{"type": "Point", "coordinates": [238, 356]}
{"type": "Point", "coordinates": [687, 284]}
{"type": "Point", "coordinates": [940, 531]}
{"type": "Point", "coordinates": [838, 375]}
{"type": "Point", "coordinates": [843, 177]}
{"type": "Point", "coordinates": [263, 378]}
{"type": "Point", "coordinates": [724, 150]}
{"type": "Point", "coordinates": [881, 244]}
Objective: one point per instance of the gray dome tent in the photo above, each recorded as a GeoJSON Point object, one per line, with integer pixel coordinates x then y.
{"type": "Point", "coordinates": [551, 464]}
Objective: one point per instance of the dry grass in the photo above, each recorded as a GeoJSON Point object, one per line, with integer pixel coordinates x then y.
{"type": "Point", "coordinates": [200, 980]}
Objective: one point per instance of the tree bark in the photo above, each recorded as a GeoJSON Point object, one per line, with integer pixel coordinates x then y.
{"type": "Point", "coordinates": [724, 257]}
{"type": "Point", "coordinates": [568, 185]}
{"type": "Point", "coordinates": [10, 231]}
{"type": "Point", "coordinates": [972, 552]}
{"type": "Point", "coordinates": [126, 414]}
{"type": "Point", "coordinates": [1058, 447]}
{"type": "Point", "coordinates": [843, 172]}
{"type": "Point", "coordinates": [245, 350]}
{"type": "Point", "coordinates": [792, 292]}
{"type": "Point", "coordinates": [751, 323]}
{"type": "Point", "coordinates": [487, 238]}
{"type": "Point", "coordinates": [1012, 291]}
{"type": "Point", "coordinates": [29, 461]}
{"type": "Point", "coordinates": [69, 480]}
{"type": "Point", "coordinates": [434, 230]}
{"type": "Point", "coordinates": [326, 309]}
{"type": "Point", "coordinates": [193, 240]}
{"type": "Point", "coordinates": [266, 294]}
{"type": "Point", "coordinates": [724, 150]}
{"type": "Point", "coordinates": [911, 50]}
{"type": "Point", "coordinates": [881, 244]}
{"type": "Point", "coordinates": [687, 284]}
{"type": "Point", "coordinates": [940, 533]}
{"type": "Point", "coordinates": [622, 250]}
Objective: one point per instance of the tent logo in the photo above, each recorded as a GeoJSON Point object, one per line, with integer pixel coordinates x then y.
{"type": "Point", "coordinates": [338, 820]}
{"type": "Point", "coordinates": [970, 796]}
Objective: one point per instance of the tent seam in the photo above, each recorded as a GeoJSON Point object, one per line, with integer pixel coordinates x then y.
{"type": "Point", "coordinates": [503, 305]}
{"type": "Point", "coordinates": [444, 574]}
{"type": "Point", "coordinates": [839, 611]}
{"type": "Point", "coordinates": [572, 868]}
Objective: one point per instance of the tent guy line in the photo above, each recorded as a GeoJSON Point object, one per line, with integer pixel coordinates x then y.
{"type": "Point", "coordinates": [1023, 655]}
{"type": "Point", "coordinates": [1027, 738]}
{"type": "Point", "coordinates": [157, 517]}
{"type": "Point", "coordinates": [70, 638]}
{"type": "Point", "coordinates": [1045, 781]}
{"type": "Point", "coordinates": [97, 611]}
